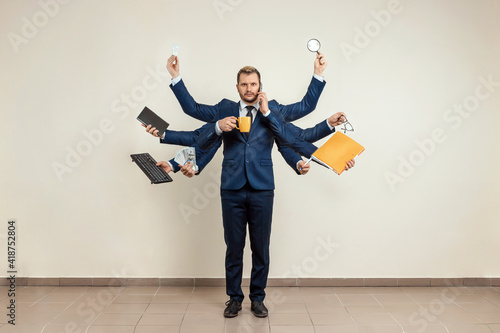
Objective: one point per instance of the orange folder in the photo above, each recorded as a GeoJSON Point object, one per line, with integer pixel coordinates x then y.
{"type": "Point", "coordinates": [335, 152]}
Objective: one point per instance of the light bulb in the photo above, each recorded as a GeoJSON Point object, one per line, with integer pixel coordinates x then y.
{"type": "Point", "coordinates": [175, 49]}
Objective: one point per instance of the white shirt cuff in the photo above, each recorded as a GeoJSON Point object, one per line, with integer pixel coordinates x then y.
{"type": "Point", "coordinates": [267, 113]}
{"type": "Point", "coordinates": [329, 126]}
{"type": "Point", "coordinates": [218, 131]}
{"type": "Point", "coordinates": [319, 78]}
{"type": "Point", "coordinates": [177, 79]}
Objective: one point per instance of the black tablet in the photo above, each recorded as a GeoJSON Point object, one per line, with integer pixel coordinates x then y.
{"type": "Point", "coordinates": [148, 117]}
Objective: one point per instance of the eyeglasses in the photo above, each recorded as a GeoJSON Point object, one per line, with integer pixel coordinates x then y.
{"type": "Point", "coordinates": [347, 125]}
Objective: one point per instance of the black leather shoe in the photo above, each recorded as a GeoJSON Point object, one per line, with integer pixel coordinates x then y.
{"type": "Point", "coordinates": [232, 308]}
{"type": "Point", "coordinates": [259, 309]}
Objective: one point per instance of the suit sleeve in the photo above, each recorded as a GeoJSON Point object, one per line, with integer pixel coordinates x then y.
{"type": "Point", "coordinates": [203, 157]}
{"type": "Point", "coordinates": [203, 112]}
{"type": "Point", "coordinates": [307, 105]}
{"type": "Point", "coordinates": [289, 155]}
{"type": "Point", "coordinates": [208, 137]}
{"type": "Point", "coordinates": [312, 134]}
{"type": "Point", "coordinates": [182, 138]}
{"type": "Point", "coordinates": [286, 135]}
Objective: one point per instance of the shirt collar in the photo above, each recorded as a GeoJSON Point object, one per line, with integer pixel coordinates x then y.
{"type": "Point", "coordinates": [243, 105]}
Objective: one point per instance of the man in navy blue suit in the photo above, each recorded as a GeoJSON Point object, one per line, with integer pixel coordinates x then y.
{"type": "Point", "coordinates": [247, 180]}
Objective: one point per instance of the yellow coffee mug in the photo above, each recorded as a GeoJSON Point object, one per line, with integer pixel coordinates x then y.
{"type": "Point", "coordinates": [245, 123]}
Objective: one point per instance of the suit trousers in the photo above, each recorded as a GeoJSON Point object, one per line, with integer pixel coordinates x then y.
{"type": "Point", "coordinates": [240, 207]}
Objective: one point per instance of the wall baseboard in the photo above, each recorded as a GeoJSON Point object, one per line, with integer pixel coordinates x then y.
{"type": "Point", "coordinates": [272, 282]}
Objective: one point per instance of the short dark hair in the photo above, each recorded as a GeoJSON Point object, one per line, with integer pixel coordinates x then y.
{"type": "Point", "coordinates": [247, 70]}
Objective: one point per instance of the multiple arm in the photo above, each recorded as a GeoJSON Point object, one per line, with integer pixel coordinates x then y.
{"type": "Point", "coordinates": [290, 139]}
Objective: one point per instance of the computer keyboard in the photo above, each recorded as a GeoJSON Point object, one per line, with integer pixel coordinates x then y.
{"type": "Point", "coordinates": [148, 165]}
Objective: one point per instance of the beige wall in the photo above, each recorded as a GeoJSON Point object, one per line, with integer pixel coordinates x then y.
{"type": "Point", "coordinates": [398, 85]}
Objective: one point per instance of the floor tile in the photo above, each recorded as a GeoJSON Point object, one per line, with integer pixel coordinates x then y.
{"type": "Point", "coordinates": [420, 290]}
{"type": "Point", "coordinates": [324, 308]}
{"type": "Point", "coordinates": [380, 329]}
{"type": "Point", "coordinates": [290, 298]}
{"type": "Point", "coordinates": [48, 307]}
{"type": "Point", "coordinates": [488, 317]}
{"type": "Point", "coordinates": [164, 319]}
{"type": "Point", "coordinates": [182, 298]}
{"type": "Point", "coordinates": [139, 290]}
{"type": "Point", "coordinates": [70, 290]}
{"type": "Point", "coordinates": [204, 308]}
{"type": "Point", "coordinates": [30, 297]}
{"type": "Point", "coordinates": [386, 299]}
{"type": "Point", "coordinates": [373, 319]}
{"type": "Point", "coordinates": [208, 298]}
{"type": "Point", "coordinates": [175, 291]}
{"type": "Point", "coordinates": [208, 319]}
{"type": "Point", "coordinates": [315, 290]}
{"type": "Point", "coordinates": [385, 290]}
{"type": "Point", "coordinates": [167, 308]}
{"type": "Point", "coordinates": [287, 308]}
{"type": "Point", "coordinates": [76, 317]}
{"type": "Point", "coordinates": [415, 318]}
{"type": "Point", "coordinates": [322, 299]}
{"type": "Point", "coordinates": [209, 290]}
{"type": "Point", "coordinates": [157, 329]}
{"type": "Point", "coordinates": [104, 290]}
{"type": "Point", "coordinates": [468, 329]}
{"type": "Point", "coordinates": [292, 329]}
{"type": "Point", "coordinates": [65, 328]}
{"type": "Point", "coordinates": [281, 319]}
{"type": "Point", "coordinates": [65, 298]}
{"type": "Point", "coordinates": [424, 328]}
{"type": "Point", "coordinates": [24, 328]}
{"type": "Point", "coordinates": [366, 309]}
{"type": "Point", "coordinates": [480, 307]}
{"type": "Point", "coordinates": [247, 329]}
{"type": "Point", "coordinates": [110, 329]}
{"type": "Point", "coordinates": [133, 299]}
{"type": "Point", "coordinates": [202, 329]}
{"type": "Point", "coordinates": [36, 317]}
{"type": "Point", "coordinates": [457, 318]}
{"type": "Point", "coordinates": [331, 319]}
{"type": "Point", "coordinates": [126, 308]}
{"type": "Point", "coordinates": [117, 319]}
{"type": "Point", "coordinates": [336, 329]}
{"type": "Point", "coordinates": [357, 299]}
{"type": "Point", "coordinates": [468, 299]}
{"type": "Point", "coordinates": [495, 328]}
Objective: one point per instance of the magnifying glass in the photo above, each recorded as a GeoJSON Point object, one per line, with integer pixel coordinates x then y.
{"type": "Point", "coordinates": [313, 45]}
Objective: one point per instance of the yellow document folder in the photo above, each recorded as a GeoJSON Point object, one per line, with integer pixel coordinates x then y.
{"type": "Point", "coordinates": [335, 152]}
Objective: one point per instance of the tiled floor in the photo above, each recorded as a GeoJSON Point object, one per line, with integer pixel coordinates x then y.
{"type": "Point", "coordinates": [292, 310]}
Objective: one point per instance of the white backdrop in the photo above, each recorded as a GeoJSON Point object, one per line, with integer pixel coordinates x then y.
{"type": "Point", "coordinates": [419, 81]}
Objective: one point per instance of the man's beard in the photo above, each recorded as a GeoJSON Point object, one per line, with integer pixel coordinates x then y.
{"type": "Point", "coordinates": [250, 101]}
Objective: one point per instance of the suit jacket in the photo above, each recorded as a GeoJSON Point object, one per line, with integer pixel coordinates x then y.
{"type": "Point", "coordinates": [249, 159]}
{"type": "Point", "coordinates": [208, 113]}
